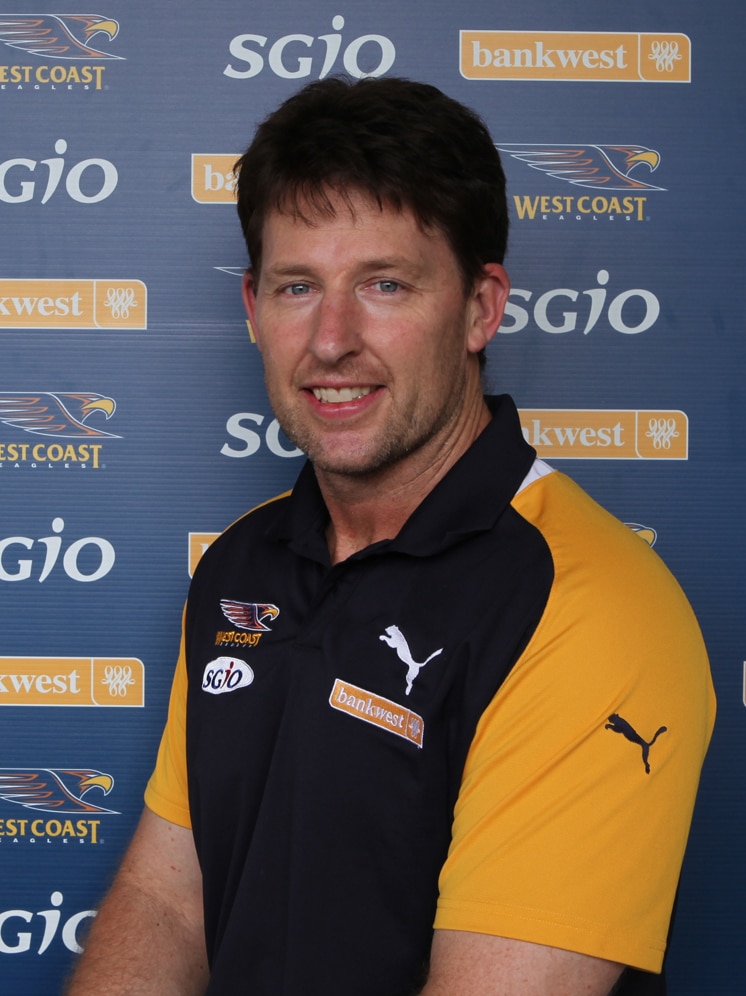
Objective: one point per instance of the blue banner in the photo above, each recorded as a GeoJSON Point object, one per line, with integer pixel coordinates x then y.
{"type": "Point", "coordinates": [134, 425]}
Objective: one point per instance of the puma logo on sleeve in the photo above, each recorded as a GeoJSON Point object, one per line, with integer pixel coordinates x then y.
{"type": "Point", "coordinates": [619, 725]}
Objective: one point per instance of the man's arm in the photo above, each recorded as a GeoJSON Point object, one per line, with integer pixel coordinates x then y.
{"type": "Point", "coordinates": [148, 936]}
{"type": "Point", "coordinates": [482, 965]}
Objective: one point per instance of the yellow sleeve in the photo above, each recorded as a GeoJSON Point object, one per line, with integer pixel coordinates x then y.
{"type": "Point", "coordinates": [561, 835]}
{"type": "Point", "coordinates": [167, 791]}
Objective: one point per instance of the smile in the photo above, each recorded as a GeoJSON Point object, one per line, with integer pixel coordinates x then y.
{"type": "Point", "coordinates": [333, 395]}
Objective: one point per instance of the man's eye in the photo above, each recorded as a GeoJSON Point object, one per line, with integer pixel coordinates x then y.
{"type": "Point", "coordinates": [388, 286]}
{"type": "Point", "coordinates": [297, 289]}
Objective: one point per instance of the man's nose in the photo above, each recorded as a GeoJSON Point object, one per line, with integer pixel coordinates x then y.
{"type": "Point", "coordinates": [337, 327]}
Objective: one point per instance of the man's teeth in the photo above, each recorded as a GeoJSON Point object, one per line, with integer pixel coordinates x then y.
{"type": "Point", "coordinates": [333, 395]}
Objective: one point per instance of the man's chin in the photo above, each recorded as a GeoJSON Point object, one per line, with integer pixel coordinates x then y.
{"type": "Point", "coordinates": [353, 461]}
{"type": "Point", "coordinates": [358, 467]}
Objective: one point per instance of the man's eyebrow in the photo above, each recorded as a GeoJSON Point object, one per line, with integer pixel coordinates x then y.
{"type": "Point", "coordinates": [394, 267]}
{"type": "Point", "coordinates": [287, 269]}
{"type": "Point", "coordinates": [393, 263]}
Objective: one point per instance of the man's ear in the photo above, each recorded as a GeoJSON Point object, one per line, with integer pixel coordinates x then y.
{"type": "Point", "coordinates": [488, 299]}
{"type": "Point", "coordinates": [249, 302]}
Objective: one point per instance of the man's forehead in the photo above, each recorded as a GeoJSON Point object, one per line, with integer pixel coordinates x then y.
{"type": "Point", "coordinates": [305, 233]}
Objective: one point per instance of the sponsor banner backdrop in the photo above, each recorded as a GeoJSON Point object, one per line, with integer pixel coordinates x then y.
{"type": "Point", "coordinates": [134, 426]}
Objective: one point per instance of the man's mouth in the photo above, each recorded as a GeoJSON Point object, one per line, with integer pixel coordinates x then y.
{"type": "Point", "coordinates": [339, 395]}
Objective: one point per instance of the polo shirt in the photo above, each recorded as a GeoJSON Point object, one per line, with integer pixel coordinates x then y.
{"type": "Point", "coordinates": [492, 722]}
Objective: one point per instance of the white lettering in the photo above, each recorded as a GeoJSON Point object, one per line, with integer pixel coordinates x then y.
{"type": "Point", "coordinates": [252, 440]}
{"type": "Point", "coordinates": [72, 183]}
{"type": "Point", "coordinates": [22, 568]}
{"type": "Point", "coordinates": [300, 60]}
{"type": "Point", "coordinates": [303, 67]}
{"type": "Point", "coordinates": [26, 187]}
{"type": "Point", "coordinates": [15, 941]}
{"type": "Point", "coordinates": [643, 303]}
{"type": "Point", "coordinates": [539, 58]}
{"type": "Point", "coordinates": [239, 49]}
{"type": "Point", "coordinates": [22, 938]}
{"type": "Point", "coordinates": [652, 310]}
{"type": "Point", "coordinates": [540, 311]}
{"type": "Point", "coordinates": [24, 190]}
{"type": "Point", "coordinates": [539, 435]}
{"type": "Point", "coordinates": [238, 430]}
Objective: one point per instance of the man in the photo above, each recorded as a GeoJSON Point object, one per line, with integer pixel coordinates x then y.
{"type": "Point", "coordinates": [463, 696]}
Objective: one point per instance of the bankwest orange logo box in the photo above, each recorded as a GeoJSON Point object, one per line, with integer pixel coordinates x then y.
{"type": "Point", "coordinates": [213, 181]}
{"type": "Point", "coordinates": [606, 435]}
{"type": "Point", "coordinates": [576, 55]}
{"type": "Point", "coordinates": [73, 304]}
{"type": "Point", "coordinates": [72, 681]}
{"type": "Point", "coordinates": [377, 710]}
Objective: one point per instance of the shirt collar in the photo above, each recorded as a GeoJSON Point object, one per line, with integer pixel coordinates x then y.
{"type": "Point", "coordinates": [469, 499]}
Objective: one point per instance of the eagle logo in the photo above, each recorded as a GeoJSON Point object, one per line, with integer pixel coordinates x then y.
{"type": "Point", "coordinates": [604, 167]}
{"type": "Point", "coordinates": [52, 414]}
{"type": "Point", "coordinates": [54, 790]}
{"type": "Point", "coordinates": [58, 36]}
{"type": "Point", "coordinates": [249, 615]}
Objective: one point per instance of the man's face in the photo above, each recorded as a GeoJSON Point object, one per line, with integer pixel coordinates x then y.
{"type": "Point", "coordinates": [368, 339]}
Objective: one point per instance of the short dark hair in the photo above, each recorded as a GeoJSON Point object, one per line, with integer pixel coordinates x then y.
{"type": "Point", "coordinates": [405, 144]}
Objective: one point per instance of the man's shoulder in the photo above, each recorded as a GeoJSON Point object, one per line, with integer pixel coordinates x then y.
{"type": "Point", "coordinates": [603, 568]}
{"type": "Point", "coordinates": [561, 508]}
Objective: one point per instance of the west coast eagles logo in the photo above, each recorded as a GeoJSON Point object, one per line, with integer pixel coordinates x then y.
{"type": "Point", "coordinates": [597, 167]}
{"type": "Point", "coordinates": [249, 615]}
{"type": "Point", "coordinates": [251, 620]}
{"type": "Point", "coordinates": [55, 790]}
{"type": "Point", "coordinates": [59, 36]}
{"type": "Point", "coordinates": [51, 414]}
